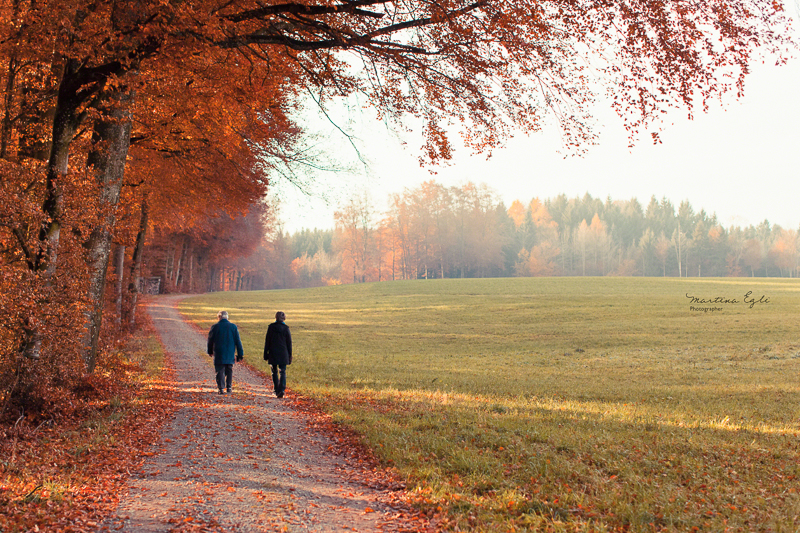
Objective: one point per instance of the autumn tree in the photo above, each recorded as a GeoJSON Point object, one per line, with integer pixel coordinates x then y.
{"type": "Point", "coordinates": [228, 243]}
{"type": "Point", "coordinates": [540, 243]}
{"type": "Point", "coordinates": [354, 240]}
{"type": "Point", "coordinates": [600, 245]}
{"type": "Point", "coordinates": [539, 261]}
{"type": "Point", "coordinates": [517, 213]}
{"type": "Point", "coordinates": [314, 262]}
{"type": "Point", "coordinates": [398, 219]}
{"type": "Point", "coordinates": [97, 91]}
{"type": "Point", "coordinates": [432, 223]}
{"type": "Point", "coordinates": [784, 252]}
{"type": "Point", "coordinates": [318, 270]}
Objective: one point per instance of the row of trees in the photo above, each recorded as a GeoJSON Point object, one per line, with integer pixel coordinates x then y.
{"type": "Point", "coordinates": [439, 232]}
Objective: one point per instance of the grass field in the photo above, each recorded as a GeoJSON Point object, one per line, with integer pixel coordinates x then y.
{"type": "Point", "coordinates": [559, 404]}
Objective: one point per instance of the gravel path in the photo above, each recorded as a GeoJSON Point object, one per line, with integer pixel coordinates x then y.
{"type": "Point", "coordinates": [242, 462]}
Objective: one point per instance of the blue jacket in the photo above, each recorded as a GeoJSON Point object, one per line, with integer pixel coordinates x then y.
{"type": "Point", "coordinates": [223, 339]}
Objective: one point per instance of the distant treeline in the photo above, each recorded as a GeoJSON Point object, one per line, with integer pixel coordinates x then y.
{"type": "Point", "coordinates": [435, 231]}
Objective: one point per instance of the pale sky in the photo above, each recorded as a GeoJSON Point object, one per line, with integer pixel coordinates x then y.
{"type": "Point", "coordinates": [740, 161]}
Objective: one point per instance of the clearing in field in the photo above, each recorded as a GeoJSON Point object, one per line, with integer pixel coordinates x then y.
{"type": "Point", "coordinates": [558, 404]}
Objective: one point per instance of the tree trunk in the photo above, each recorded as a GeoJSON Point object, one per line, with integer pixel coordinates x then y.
{"type": "Point", "coordinates": [181, 262]}
{"type": "Point", "coordinates": [111, 136]}
{"type": "Point", "coordinates": [169, 260]}
{"type": "Point", "coordinates": [5, 129]}
{"type": "Point", "coordinates": [119, 269]}
{"type": "Point", "coordinates": [191, 272]}
{"type": "Point", "coordinates": [136, 263]}
{"type": "Point", "coordinates": [211, 276]}
{"type": "Point", "coordinates": [65, 124]}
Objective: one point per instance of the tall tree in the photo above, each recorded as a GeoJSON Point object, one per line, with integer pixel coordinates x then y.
{"type": "Point", "coordinates": [517, 213]}
{"type": "Point", "coordinates": [784, 252]}
{"type": "Point", "coordinates": [354, 240]}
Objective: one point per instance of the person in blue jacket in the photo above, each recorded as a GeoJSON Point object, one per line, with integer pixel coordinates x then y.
{"type": "Point", "coordinates": [223, 342]}
{"type": "Point", "coordinates": [278, 351]}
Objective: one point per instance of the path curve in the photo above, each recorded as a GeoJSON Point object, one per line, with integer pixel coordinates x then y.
{"type": "Point", "coordinates": [241, 462]}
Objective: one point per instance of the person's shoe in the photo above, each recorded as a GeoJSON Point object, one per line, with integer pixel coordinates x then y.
{"type": "Point", "coordinates": [229, 390]}
{"type": "Point", "coordinates": [221, 391]}
{"type": "Point", "coordinates": [279, 394]}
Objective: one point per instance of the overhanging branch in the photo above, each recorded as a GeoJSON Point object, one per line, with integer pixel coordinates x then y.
{"type": "Point", "coordinates": [294, 8]}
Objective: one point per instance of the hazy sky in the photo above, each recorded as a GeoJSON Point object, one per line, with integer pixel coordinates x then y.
{"type": "Point", "coordinates": [740, 161]}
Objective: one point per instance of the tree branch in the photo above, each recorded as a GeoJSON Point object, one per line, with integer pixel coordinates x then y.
{"type": "Point", "coordinates": [416, 23]}
{"type": "Point", "coordinates": [294, 8]}
{"type": "Point", "coordinates": [29, 259]}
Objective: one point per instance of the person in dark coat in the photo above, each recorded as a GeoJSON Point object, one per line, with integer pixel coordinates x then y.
{"type": "Point", "coordinates": [278, 351]}
{"type": "Point", "coordinates": [223, 342]}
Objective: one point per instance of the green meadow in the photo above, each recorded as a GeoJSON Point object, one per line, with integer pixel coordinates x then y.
{"type": "Point", "coordinates": [558, 404]}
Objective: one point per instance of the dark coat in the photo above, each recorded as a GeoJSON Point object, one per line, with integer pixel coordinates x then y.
{"type": "Point", "coordinates": [223, 339]}
{"type": "Point", "coordinates": [278, 344]}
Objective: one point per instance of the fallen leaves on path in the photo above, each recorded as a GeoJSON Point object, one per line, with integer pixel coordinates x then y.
{"type": "Point", "coordinates": [407, 515]}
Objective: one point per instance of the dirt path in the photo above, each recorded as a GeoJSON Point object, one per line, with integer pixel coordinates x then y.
{"type": "Point", "coordinates": [242, 462]}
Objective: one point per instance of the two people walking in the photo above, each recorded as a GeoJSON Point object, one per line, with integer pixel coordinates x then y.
{"type": "Point", "coordinates": [225, 345]}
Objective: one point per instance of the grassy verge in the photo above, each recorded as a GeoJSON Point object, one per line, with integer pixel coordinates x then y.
{"type": "Point", "coordinates": [559, 404]}
{"type": "Point", "coordinates": [67, 476]}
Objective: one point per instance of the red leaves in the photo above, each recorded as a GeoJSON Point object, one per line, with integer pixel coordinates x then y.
{"type": "Point", "coordinates": [52, 483]}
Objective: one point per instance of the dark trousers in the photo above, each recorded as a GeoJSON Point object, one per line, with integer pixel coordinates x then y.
{"type": "Point", "coordinates": [224, 376]}
{"type": "Point", "coordinates": [279, 382]}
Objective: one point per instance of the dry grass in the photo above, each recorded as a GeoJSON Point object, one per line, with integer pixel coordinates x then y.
{"type": "Point", "coordinates": [558, 404]}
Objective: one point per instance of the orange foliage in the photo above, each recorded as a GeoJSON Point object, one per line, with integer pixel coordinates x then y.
{"type": "Point", "coordinates": [540, 215]}
{"type": "Point", "coordinates": [517, 213]}
{"type": "Point", "coordinates": [784, 251]}
{"type": "Point", "coordinates": [540, 261]}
